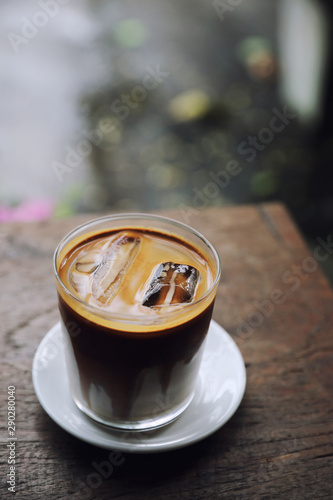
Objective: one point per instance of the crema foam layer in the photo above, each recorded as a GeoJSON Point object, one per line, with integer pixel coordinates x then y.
{"type": "Point", "coordinates": [114, 270]}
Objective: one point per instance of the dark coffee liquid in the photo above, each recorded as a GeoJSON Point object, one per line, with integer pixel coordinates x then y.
{"type": "Point", "coordinates": [125, 356]}
{"type": "Point", "coordinates": [122, 373]}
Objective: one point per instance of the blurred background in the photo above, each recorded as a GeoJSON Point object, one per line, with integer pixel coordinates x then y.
{"type": "Point", "coordinates": [138, 105]}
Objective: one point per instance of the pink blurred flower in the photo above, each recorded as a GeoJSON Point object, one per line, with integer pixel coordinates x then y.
{"type": "Point", "coordinates": [32, 210]}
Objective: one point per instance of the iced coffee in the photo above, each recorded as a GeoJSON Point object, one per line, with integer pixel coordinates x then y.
{"type": "Point", "coordinates": [136, 295]}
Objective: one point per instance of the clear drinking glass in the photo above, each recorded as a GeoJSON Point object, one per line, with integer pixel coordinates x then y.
{"type": "Point", "coordinates": [132, 371]}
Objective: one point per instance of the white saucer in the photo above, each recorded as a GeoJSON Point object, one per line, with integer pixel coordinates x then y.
{"type": "Point", "coordinates": [219, 391]}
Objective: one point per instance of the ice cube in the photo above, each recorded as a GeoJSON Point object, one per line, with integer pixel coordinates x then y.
{"type": "Point", "coordinates": [79, 281]}
{"type": "Point", "coordinates": [110, 272]}
{"type": "Point", "coordinates": [89, 262]}
{"type": "Point", "coordinates": [171, 284]}
{"type": "Point", "coordinates": [83, 267]}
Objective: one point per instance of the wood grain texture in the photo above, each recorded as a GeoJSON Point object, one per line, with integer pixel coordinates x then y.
{"type": "Point", "coordinates": [278, 306]}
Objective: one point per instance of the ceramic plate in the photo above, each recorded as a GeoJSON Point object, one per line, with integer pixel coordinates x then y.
{"type": "Point", "coordinates": [219, 390]}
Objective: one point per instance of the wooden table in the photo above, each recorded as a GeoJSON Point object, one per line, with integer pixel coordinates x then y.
{"type": "Point", "coordinates": [277, 305]}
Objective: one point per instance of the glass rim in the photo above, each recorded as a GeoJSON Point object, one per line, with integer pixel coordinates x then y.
{"type": "Point", "coordinates": [133, 318]}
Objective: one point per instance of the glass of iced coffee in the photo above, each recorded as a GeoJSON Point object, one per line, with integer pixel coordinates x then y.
{"type": "Point", "coordinates": [136, 294]}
